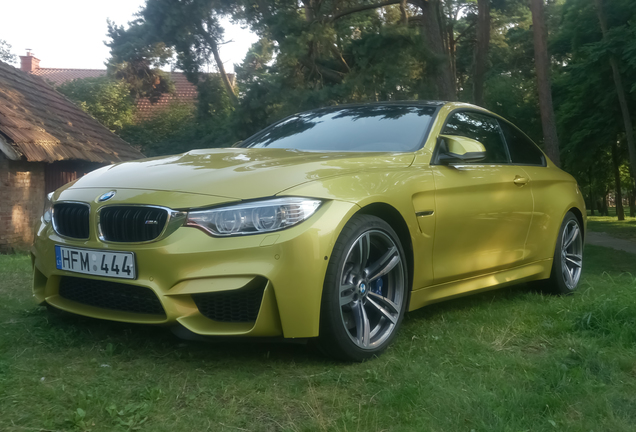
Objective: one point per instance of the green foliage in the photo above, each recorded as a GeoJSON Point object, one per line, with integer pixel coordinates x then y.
{"type": "Point", "coordinates": [106, 99]}
{"type": "Point", "coordinates": [389, 64]}
{"type": "Point", "coordinates": [511, 88]}
{"type": "Point", "coordinates": [186, 34]}
{"type": "Point", "coordinates": [190, 29]}
{"type": "Point", "coordinates": [214, 103]}
{"type": "Point", "coordinates": [182, 127]}
{"type": "Point", "coordinates": [313, 59]}
{"type": "Point", "coordinates": [159, 134]}
{"type": "Point", "coordinates": [314, 53]}
{"type": "Point", "coordinates": [5, 52]}
{"type": "Point", "coordinates": [585, 95]}
{"type": "Point", "coordinates": [136, 58]}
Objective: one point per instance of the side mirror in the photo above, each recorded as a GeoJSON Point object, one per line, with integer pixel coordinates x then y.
{"type": "Point", "coordinates": [459, 149]}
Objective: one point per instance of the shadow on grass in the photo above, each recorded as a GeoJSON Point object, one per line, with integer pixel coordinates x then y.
{"type": "Point", "coordinates": [57, 330]}
{"type": "Point", "coordinates": [471, 301]}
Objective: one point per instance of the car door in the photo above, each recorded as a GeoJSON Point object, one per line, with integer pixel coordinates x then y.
{"type": "Point", "coordinates": [483, 209]}
{"type": "Point", "coordinates": [548, 185]}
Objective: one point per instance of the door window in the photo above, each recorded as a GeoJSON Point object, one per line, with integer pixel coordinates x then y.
{"type": "Point", "coordinates": [522, 150]}
{"type": "Point", "coordinates": [482, 128]}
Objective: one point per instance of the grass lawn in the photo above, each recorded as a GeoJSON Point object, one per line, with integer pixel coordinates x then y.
{"type": "Point", "coordinates": [508, 360]}
{"type": "Point", "coordinates": [610, 225]}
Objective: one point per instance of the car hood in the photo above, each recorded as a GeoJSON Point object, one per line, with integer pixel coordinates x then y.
{"type": "Point", "coordinates": [237, 173]}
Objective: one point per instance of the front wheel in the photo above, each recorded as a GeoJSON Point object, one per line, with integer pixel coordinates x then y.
{"type": "Point", "coordinates": [365, 291]}
{"type": "Point", "coordinates": [567, 264]}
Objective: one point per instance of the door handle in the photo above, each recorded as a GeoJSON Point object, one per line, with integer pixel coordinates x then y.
{"type": "Point", "coordinates": [520, 181]}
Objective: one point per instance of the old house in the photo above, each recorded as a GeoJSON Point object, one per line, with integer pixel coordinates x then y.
{"type": "Point", "coordinates": [45, 142]}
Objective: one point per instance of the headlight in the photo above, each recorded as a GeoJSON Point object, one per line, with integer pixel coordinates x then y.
{"type": "Point", "coordinates": [253, 217]}
{"type": "Point", "coordinates": [47, 215]}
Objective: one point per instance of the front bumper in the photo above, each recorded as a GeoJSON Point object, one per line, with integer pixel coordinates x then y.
{"type": "Point", "coordinates": [288, 267]}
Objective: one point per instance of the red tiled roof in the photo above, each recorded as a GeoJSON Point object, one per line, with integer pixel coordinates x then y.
{"type": "Point", "coordinates": [185, 91]}
{"type": "Point", "coordinates": [60, 76]}
{"type": "Point", "coordinates": [41, 125]}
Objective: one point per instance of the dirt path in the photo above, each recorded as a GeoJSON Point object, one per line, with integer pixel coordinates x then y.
{"type": "Point", "coordinates": [602, 239]}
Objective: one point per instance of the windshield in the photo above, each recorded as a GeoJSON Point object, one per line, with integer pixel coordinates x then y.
{"type": "Point", "coordinates": [367, 128]}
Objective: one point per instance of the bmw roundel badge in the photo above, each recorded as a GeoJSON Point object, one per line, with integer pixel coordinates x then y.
{"type": "Point", "coordinates": [106, 196]}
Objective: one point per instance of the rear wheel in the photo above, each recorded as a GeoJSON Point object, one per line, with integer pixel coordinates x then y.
{"type": "Point", "coordinates": [365, 291]}
{"type": "Point", "coordinates": [567, 264]}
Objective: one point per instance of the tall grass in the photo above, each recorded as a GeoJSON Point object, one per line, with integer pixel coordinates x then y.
{"type": "Point", "coordinates": [507, 360]}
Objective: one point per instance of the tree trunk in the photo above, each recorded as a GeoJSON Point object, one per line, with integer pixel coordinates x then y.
{"type": "Point", "coordinates": [481, 50]}
{"type": "Point", "coordinates": [618, 196]}
{"type": "Point", "coordinates": [224, 77]}
{"type": "Point", "coordinates": [451, 43]}
{"type": "Point", "coordinates": [309, 11]}
{"type": "Point", "coordinates": [620, 91]}
{"type": "Point", "coordinates": [403, 13]}
{"type": "Point", "coordinates": [433, 33]}
{"type": "Point", "coordinates": [632, 199]}
{"type": "Point", "coordinates": [591, 195]}
{"type": "Point", "coordinates": [605, 211]}
{"type": "Point", "coordinates": [542, 66]}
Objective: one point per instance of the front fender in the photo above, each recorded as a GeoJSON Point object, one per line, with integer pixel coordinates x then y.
{"type": "Point", "coordinates": [410, 191]}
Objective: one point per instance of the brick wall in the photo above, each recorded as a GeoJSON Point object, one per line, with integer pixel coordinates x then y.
{"type": "Point", "coordinates": [21, 202]}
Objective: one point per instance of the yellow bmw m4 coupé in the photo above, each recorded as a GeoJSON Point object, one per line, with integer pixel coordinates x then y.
{"type": "Point", "coordinates": [328, 225]}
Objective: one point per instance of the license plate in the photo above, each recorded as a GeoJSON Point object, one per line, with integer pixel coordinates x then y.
{"type": "Point", "coordinates": [96, 262]}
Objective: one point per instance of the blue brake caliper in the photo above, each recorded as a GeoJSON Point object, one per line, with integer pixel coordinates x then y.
{"type": "Point", "coordinates": [376, 286]}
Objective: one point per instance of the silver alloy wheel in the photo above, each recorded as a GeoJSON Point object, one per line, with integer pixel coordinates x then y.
{"type": "Point", "coordinates": [571, 254]}
{"type": "Point", "coordinates": [372, 281]}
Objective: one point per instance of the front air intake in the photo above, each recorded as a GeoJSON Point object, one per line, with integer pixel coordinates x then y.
{"type": "Point", "coordinates": [131, 224]}
{"type": "Point", "coordinates": [111, 295]}
{"type": "Point", "coordinates": [241, 305]}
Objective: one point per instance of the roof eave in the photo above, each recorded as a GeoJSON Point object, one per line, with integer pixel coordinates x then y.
{"type": "Point", "coordinates": [8, 150]}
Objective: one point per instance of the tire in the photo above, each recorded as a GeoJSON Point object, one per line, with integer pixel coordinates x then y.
{"type": "Point", "coordinates": [365, 291]}
{"type": "Point", "coordinates": [567, 264]}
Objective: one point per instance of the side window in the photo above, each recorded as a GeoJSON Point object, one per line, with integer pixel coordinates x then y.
{"type": "Point", "coordinates": [482, 128]}
{"type": "Point", "coordinates": [522, 150]}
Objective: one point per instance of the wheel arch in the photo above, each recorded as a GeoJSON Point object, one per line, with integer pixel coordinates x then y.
{"type": "Point", "coordinates": [579, 216]}
{"type": "Point", "coordinates": [393, 217]}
